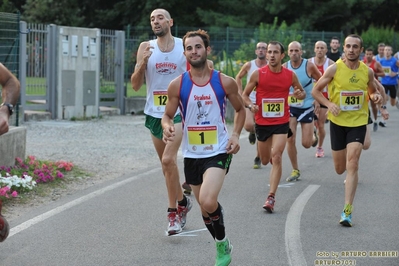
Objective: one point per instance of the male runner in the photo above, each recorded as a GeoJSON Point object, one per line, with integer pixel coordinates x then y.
{"type": "Point", "coordinates": [247, 69]}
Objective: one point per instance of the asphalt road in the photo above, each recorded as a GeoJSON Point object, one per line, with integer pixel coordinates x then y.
{"type": "Point", "coordinates": [123, 221]}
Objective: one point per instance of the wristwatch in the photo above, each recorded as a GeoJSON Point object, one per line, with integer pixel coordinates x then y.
{"type": "Point", "coordinates": [9, 106]}
{"type": "Point", "coordinates": [383, 106]}
{"type": "Point", "coordinates": [249, 106]}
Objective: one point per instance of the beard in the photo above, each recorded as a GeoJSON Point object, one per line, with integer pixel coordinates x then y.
{"type": "Point", "coordinates": [160, 33]}
{"type": "Point", "coordinates": [199, 63]}
{"type": "Point", "coordinates": [352, 59]}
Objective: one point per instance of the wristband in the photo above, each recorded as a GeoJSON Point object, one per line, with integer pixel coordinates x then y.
{"type": "Point", "coordinates": [9, 106]}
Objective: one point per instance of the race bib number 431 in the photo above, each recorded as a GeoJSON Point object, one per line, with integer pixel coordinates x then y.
{"type": "Point", "coordinates": [351, 100]}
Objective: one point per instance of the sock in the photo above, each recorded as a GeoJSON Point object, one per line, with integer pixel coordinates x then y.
{"type": "Point", "coordinates": [224, 239]}
{"type": "Point", "coordinates": [348, 208]}
{"type": "Point", "coordinates": [209, 225]}
{"type": "Point", "coordinates": [218, 223]}
{"type": "Point", "coordinates": [183, 202]}
{"type": "Point", "coordinates": [272, 195]}
{"type": "Point", "coordinates": [172, 210]}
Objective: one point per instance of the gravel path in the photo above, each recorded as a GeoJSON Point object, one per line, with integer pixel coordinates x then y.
{"type": "Point", "coordinates": [106, 148]}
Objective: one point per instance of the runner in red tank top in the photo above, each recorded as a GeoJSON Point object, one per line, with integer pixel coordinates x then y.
{"type": "Point", "coordinates": [322, 62]}
{"type": "Point", "coordinates": [272, 84]}
{"type": "Point", "coordinates": [378, 72]}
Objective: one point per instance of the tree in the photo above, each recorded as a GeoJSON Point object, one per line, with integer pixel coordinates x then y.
{"type": "Point", "coordinates": [328, 15]}
{"type": "Point", "coordinates": [7, 6]}
{"type": "Point", "coordinates": [60, 12]}
{"type": "Point", "coordinates": [310, 15]}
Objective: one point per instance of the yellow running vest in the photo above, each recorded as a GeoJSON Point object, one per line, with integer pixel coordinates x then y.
{"type": "Point", "coordinates": [348, 90]}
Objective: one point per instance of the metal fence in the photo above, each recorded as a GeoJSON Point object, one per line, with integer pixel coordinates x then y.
{"type": "Point", "coordinates": [118, 54]}
{"type": "Point", "coordinates": [9, 45]}
{"type": "Point", "coordinates": [229, 39]}
{"type": "Point", "coordinates": [226, 41]}
{"type": "Point", "coordinates": [9, 49]}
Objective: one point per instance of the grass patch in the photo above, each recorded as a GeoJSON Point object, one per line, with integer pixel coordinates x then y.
{"type": "Point", "coordinates": [142, 92]}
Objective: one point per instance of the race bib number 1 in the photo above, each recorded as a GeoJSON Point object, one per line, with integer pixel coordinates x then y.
{"type": "Point", "coordinates": [202, 139]}
{"type": "Point", "coordinates": [160, 100]}
{"type": "Point", "coordinates": [351, 100]}
{"type": "Point", "coordinates": [272, 107]}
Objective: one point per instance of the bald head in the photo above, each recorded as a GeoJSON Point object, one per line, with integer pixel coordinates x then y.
{"type": "Point", "coordinates": [295, 51]}
{"type": "Point", "coordinates": [320, 49]}
{"type": "Point", "coordinates": [320, 43]}
{"type": "Point", "coordinates": [295, 45]}
{"type": "Point", "coordinates": [161, 11]}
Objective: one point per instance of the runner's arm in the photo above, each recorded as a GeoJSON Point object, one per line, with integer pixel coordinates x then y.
{"type": "Point", "coordinates": [143, 53]}
{"type": "Point", "coordinates": [252, 83]}
{"type": "Point", "coordinates": [322, 83]}
{"type": "Point", "coordinates": [299, 92]}
{"type": "Point", "coordinates": [313, 71]}
{"type": "Point", "coordinates": [170, 109]}
{"type": "Point", "coordinates": [235, 99]}
{"type": "Point", "coordinates": [240, 75]}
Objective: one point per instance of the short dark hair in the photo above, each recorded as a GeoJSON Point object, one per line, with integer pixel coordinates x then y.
{"type": "Point", "coordinates": [201, 33]}
{"type": "Point", "coordinates": [357, 37]}
{"type": "Point", "coordinates": [282, 50]}
{"type": "Point", "coordinates": [335, 38]}
{"type": "Point", "coordinates": [369, 50]}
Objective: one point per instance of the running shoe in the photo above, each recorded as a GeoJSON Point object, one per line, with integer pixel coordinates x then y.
{"type": "Point", "coordinates": [252, 138]}
{"type": "Point", "coordinates": [316, 139]}
{"type": "Point", "coordinates": [269, 204]}
{"type": "Point", "coordinates": [319, 152]}
{"type": "Point", "coordinates": [346, 219]}
{"type": "Point", "coordinates": [295, 174]}
{"type": "Point", "coordinates": [375, 126]}
{"type": "Point", "coordinates": [223, 253]}
{"type": "Point", "coordinates": [397, 104]}
{"type": "Point", "coordinates": [382, 124]}
{"type": "Point", "coordinates": [182, 212]}
{"type": "Point", "coordinates": [174, 226]}
{"type": "Point", "coordinates": [257, 163]}
{"type": "Point", "coordinates": [186, 188]}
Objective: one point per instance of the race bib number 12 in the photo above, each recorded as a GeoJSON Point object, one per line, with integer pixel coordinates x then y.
{"type": "Point", "coordinates": [160, 100]}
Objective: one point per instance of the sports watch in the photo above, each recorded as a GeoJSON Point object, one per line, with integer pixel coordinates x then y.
{"type": "Point", "coordinates": [9, 106]}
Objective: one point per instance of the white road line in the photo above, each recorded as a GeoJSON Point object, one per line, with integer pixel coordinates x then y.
{"type": "Point", "coordinates": [293, 245]}
{"type": "Point", "coordinates": [187, 233]}
{"type": "Point", "coordinates": [25, 225]}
